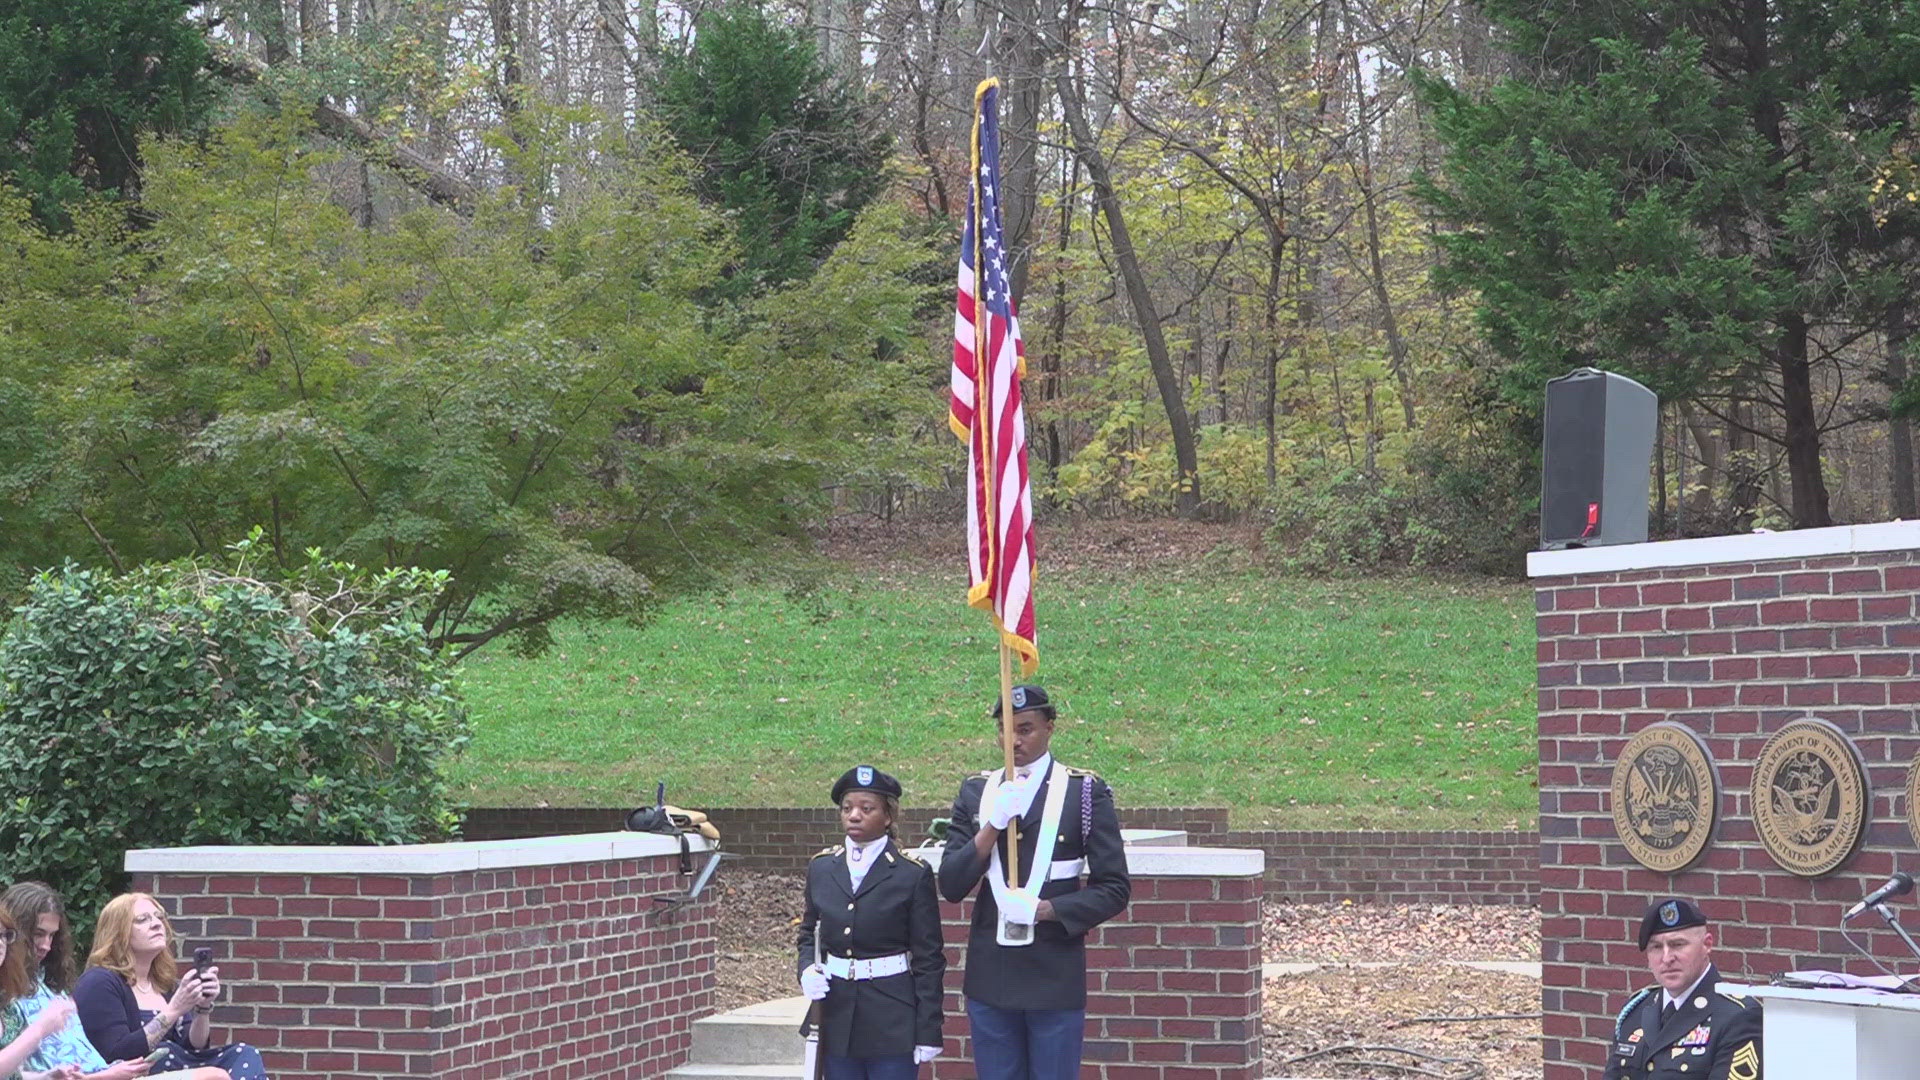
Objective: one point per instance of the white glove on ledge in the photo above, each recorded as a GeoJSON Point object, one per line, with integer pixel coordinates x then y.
{"type": "Point", "coordinates": [813, 982]}
{"type": "Point", "coordinates": [1019, 906]}
{"type": "Point", "coordinates": [1010, 800]}
{"type": "Point", "coordinates": [924, 1054]}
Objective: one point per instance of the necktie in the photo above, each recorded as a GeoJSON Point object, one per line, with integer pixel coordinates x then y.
{"type": "Point", "coordinates": [1667, 1011]}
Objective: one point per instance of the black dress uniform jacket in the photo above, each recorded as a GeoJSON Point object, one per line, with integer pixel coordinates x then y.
{"type": "Point", "coordinates": [1051, 973]}
{"type": "Point", "coordinates": [1711, 1035]}
{"type": "Point", "coordinates": [893, 911]}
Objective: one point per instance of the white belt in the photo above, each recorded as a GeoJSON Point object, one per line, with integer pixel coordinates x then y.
{"type": "Point", "coordinates": [1064, 869]}
{"type": "Point", "coordinates": [878, 967]}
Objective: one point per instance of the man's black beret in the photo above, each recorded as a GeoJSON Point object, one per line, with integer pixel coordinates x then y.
{"type": "Point", "coordinates": [1668, 913]}
{"type": "Point", "coordinates": [1025, 698]}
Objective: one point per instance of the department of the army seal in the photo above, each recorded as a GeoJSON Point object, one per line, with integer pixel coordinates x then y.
{"type": "Point", "coordinates": [1666, 796]}
{"type": "Point", "coordinates": [1810, 797]}
{"type": "Point", "coordinates": [1913, 799]}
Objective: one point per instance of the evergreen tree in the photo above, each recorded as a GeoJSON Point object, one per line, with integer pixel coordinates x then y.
{"type": "Point", "coordinates": [788, 149]}
{"type": "Point", "coordinates": [1683, 192]}
{"type": "Point", "coordinates": [81, 83]}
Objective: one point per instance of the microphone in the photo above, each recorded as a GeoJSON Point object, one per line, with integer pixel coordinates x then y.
{"type": "Point", "coordinates": [1900, 884]}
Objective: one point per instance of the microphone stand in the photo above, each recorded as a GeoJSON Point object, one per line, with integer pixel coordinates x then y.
{"type": "Point", "coordinates": [1894, 921]}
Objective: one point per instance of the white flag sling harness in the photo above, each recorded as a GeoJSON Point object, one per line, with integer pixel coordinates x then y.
{"type": "Point", "coordinates": [1012, 933]}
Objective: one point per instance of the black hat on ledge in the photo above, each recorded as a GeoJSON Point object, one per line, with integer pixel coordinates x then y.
{"type": "Point", "coordinates": [1025, 698]}
{"type": "Point", "coordinates": [865, 778]}
{"type": "Point", "coordinates": [1669, 913]}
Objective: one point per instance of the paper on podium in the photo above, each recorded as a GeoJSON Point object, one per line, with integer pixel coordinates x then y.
{"type": "Point", "coordinates": [1840, 980]}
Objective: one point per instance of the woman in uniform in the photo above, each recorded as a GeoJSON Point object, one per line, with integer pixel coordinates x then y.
{"type": "Point", "coordinates": [870, 948]}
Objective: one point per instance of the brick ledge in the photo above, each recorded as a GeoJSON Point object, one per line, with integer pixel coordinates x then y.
{"type": "Point", "coordinates": [1710, 550]}
{"type": "Point", "coordinates": [407, 858]}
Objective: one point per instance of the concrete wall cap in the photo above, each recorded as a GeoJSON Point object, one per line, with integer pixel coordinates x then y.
{"type": "Point", "coordinates": [1744, 548]}
{"type": "Point", "coordinates": [1146, 861]}
{"type": "Point", "coordinates": [407, 859]}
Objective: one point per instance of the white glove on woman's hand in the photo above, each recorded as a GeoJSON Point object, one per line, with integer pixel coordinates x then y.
{"type": "Point", "coordinates": [1019, 906]}
{"type": "Point", "coordinates": [1010, 800]}
{"type": "Point", "coordinates": [813, 982]}
{"type": "Point", "coordinates": [924, 1054]}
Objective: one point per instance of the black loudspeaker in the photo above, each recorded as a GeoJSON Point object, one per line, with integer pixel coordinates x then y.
{"type": "Point", "coordinates": [1598, 446]}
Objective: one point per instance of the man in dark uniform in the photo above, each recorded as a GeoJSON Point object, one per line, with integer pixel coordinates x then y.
{"type": "Point", "coordinates": [1681, 1028]}
{"type": "Point", "coordinates": [1026, 981]}
{"type": "Point", "coordinates": [870, 949]}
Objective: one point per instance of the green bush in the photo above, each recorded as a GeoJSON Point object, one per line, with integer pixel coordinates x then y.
{"type": "Point", "coordinates": [1332, 519]}
{"type": "Point", "coordinates": [195, 703]}
{"type": "Point", "coordinates": [1451, 508]}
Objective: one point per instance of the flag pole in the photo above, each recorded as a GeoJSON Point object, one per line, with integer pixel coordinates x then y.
{"type": "Point", "coordinates": [983, 421]}
{"type": "Point", "coordinates": [1006, 742]}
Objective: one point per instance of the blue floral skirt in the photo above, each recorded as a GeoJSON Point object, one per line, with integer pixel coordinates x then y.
{"type": "Point", "coordinates": [241, 1061]}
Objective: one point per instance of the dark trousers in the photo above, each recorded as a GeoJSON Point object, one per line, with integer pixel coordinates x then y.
{"type": "Point", "coordinates": [1026, 1044]}
{"type": "Point", "coordinates": [895, 1067]}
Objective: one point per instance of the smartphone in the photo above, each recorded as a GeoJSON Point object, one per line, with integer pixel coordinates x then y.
{"type": "Point", "coordinates": [202, 957]}
{"type": "Point", "coordinates": [154, 1055]}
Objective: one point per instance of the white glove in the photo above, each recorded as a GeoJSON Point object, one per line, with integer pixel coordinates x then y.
{"type": "Point", "coordinates": [1019, 906]}
{"type": "Point", "coordinates": [924, 1054]}
{"type": "Point", "coordinates": [813, 982]}
{"type": "Point", "coordinates": [1010, 800]}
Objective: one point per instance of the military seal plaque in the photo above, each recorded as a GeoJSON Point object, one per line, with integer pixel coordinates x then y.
{"type": "Point", "coordinates": [1666, 796]}
{"type": "Point", "coordinates": [1810, 797]}
{"type": "Point", "coordinates": [1913, 799]}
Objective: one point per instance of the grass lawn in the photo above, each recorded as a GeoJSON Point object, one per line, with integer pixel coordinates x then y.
{"type": "Point", "coordinates": [1396, 703]}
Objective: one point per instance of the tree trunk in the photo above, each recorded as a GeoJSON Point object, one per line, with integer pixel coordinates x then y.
{"type": "Point", "coordinates": [273, 30]}
{"type": "Point", "coordinates": [1021, 54]}
{"type": "Point", "coordinates": [1053, 361]}
{"type": "Point", "coordinates": [1270, 323]}
{"type": "Point", "coordinates": [1186, 459]}
{"type": "Point", "coordinates": [1397, 354]}
{"type": "Point", "coordinates": [1802, 439]}
{"type": "Point", "coordinates": [610, 58]}
{"type": "Point", "coordinates": [1899, 428]}
{"type": "Point", "coordinates": [509, 88]}
{"type": "Point", "coordinates": [312, 20]}
{"type": "Point", "coordinates": [1660, 469]}
{"type": "Point", "coordinates": [1700, 504]}
{"type": "Point", "coordinates": [1220, 357]}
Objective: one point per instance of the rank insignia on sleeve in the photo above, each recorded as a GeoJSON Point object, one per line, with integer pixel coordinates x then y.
{"type": "Point", "coordinates": [1745, 1064]}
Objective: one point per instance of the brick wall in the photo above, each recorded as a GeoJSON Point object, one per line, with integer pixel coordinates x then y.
{"type": "Point", "coordinates": [562, 969]}
{"type": "Point", "coordinates": [1464, 867]}
{"type": "Point", "coordinates": [1303, 867]}
{"type": "Point", "coordinates": [1173, 983]}
{"type": "Point", "coordinates": [1733, 637]}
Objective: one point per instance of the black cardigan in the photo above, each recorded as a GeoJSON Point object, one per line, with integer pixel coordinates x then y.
{"type": "Point", "coordinates": [109, 1015]}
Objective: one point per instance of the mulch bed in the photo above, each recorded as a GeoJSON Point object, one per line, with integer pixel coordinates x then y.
{"type": "Point", "coordinates": [1422, 1016]}
{"type": "Point", "coordinates": [1417, 1019]}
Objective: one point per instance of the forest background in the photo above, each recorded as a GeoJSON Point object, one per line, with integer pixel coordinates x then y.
{"type": "Point", "coordinates": [595, 305]}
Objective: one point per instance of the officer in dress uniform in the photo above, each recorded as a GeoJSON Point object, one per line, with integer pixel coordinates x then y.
{"type": "Point", "coordinates": [870, 947]}
{"type": "Point", "coordinates": [1681, 1028]}
{"type": "Point", "coordinates": [1026, 979]}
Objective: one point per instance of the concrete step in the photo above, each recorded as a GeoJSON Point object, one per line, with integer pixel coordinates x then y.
{"type": "Point", "coordinates": [736, 1072]}
{"type": "Point", "coordinates": [763, 1034]}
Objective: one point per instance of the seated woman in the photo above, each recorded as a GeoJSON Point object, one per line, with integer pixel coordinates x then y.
{"type": "Point", "coordinates": [21, 1038]}
{"type": "Point", "coordinates": [41, 915]}
{"type": "Point", "coordinates": [133, 998]}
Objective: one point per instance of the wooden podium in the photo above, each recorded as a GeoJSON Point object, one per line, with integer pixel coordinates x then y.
{"type": "Point", "coordinates": [1836, 1034]}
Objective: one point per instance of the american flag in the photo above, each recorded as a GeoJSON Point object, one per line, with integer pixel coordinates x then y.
{"type": "Point", "coordinates": [988, 364]}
